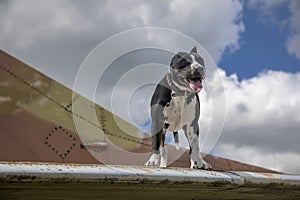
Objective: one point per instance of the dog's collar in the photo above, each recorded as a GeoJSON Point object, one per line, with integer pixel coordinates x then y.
{"type": "Point", "coordinates": [185, 94]}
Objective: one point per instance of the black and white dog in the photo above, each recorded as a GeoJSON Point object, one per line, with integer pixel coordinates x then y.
{"type": "Point", "coordinates": [175, 105]}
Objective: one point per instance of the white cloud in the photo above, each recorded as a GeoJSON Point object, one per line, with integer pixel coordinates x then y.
{"type": "Point", "coordinates": [25, 23]}
{"type": "Point", "coordinates": [288, 162]}
{"type": "Point", "coordinates": [216, 25]}
{"type": "Point", "coordinates": [55, 36]}
{"type": "Point", "coordinates": [262, 120]}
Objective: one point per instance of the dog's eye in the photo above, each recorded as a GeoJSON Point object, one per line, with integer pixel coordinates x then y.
{"type": "Point", "coordinates": [183, 63]}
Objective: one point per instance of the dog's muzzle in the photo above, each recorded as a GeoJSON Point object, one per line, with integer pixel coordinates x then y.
{"type": "Point", "coordinates": [195, 78]}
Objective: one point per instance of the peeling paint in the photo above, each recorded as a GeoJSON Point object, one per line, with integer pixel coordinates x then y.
{"type": "Point", "coordinates": [121, 173]}
{"type": "Point", "coordinates": [4, 99]}
{"type": "Point", "coordinates": [268, 175]}
{"type": "Point", "coordinates": [37, 83]}
{"type": "Point", "coordinates": [4, 84]}
{"type": "Point", "coordinates": [255, 177]}
{"type": "Point", "coordinates": [27, 180]}
{"type": "Point", "coordinates": [84, 172]}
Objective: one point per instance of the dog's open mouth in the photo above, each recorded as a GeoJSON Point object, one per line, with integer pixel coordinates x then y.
{"type": "Point", "coordinates": [195, 84]}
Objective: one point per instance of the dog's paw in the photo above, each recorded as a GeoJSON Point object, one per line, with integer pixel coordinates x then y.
{"type": "Point", "coordinates": [153, 160]}
{"type": "Point", "coordinates": [200, 164]}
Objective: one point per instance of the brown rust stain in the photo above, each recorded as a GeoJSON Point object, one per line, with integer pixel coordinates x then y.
{"type": "Point", "coordinates": [271, 176]}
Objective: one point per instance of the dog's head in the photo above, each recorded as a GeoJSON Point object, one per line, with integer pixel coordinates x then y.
{"type": "Point", "coordinates": [187, 71]}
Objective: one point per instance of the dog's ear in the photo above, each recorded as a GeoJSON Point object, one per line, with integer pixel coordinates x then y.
{"type": "Point", "coordinates": [174, 59]}
{"type": "Point", "coordinates": [194, 50]}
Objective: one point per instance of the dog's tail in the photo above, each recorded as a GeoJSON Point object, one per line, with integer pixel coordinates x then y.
{"type": "Point", "coordinates": [176, 140]}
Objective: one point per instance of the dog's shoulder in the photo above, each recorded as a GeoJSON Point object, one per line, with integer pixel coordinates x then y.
{"type": "Point", "coordinates": [162, 94]}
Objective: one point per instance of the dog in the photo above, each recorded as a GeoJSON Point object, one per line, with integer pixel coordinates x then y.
{"type": "Point", "coordinates": [175, 105]}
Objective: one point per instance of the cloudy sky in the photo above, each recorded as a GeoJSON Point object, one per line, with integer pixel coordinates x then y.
{"type": "Point", "coordinates": [255, 44]}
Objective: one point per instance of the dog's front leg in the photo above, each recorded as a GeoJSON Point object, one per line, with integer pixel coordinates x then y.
{"type": "Point", "coordinates": [197, 162]}
{"type": "Point", "coordinates": [158, 152]}
{"type": "Point", "coordinates": [155, 157]}
{"type": "Point", "coordinates": [162, 150]}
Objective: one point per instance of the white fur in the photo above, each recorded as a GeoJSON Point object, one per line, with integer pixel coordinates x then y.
{"type": "Point", "coordinates": [195, 65]}
{"type": "Point", "coordinates": [153, 160]}
{"type": "Point", "coordinates": [194, 60]}
{"type": "Point", "coordinates": [179, 113]}
{"type": "Point", "coordinates": [158, 159]}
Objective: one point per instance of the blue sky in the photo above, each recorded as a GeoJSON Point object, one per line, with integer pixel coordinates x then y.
{"type": "Point", "coordinates": [262, 44]}
{"type": "Point", "coordinates": [256, 44]}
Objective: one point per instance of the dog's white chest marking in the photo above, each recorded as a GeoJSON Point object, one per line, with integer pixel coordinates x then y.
{"type": "Point", "coordinates": [179, 112]}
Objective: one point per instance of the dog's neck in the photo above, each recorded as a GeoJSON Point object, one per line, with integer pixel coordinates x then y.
{"type": "Point", "coordinates": [176, 91]}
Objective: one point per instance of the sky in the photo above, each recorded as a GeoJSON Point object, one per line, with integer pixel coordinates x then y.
{"type": "Point", "coordinates": [267, 27]}
{"type": "Point", "coordinates": [255, 44]}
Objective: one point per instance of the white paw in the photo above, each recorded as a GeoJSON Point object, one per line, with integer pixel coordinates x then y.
{"type": "Point", "coordinates": [153, 160]}
{"type": "Point", "coordinates": [200, 164]}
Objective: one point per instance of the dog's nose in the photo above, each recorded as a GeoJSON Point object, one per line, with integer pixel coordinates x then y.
{"type": "Point", "coordinates": [198, 71]}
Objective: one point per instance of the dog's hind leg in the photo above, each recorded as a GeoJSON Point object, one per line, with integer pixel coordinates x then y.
{"type": "Point", "coordinates": [162, 150]}
{"type": "Point", "coordinates": [176, 140]}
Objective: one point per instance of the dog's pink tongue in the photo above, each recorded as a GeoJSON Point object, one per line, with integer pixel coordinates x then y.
{"type": "Point", "coordinates": [196, 86]}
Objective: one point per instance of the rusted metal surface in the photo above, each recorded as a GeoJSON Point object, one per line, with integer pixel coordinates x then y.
{"type": "Point", "coordinates": [256, 177]}
{"type": "Point", "coordinates": [37, 125]}
{"type": "Point", "coordinates": [123, 173]}
{"type": "Point", "coordinates": [120, 173]}
{"type": "Point", "coordinates": [28, 181]}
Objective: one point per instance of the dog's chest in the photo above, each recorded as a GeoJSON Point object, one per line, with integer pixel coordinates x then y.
{"type": "Point", "coordinates": [181, 110]}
